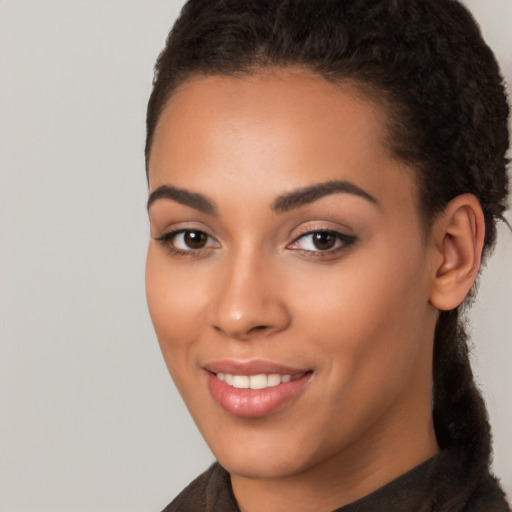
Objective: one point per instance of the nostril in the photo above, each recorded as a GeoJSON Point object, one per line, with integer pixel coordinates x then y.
{"type": "Point", "coordinates": [236, 333]}
{"type": "Point", "coordinates": [240, 319]}
{"type": "Point", "coordinates": [258, 328]}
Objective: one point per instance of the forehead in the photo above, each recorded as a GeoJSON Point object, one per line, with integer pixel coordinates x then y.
{"type": "Point", "coordinates": [274, 130]}
{"type": "Point", "coordinates": [276, 97]}
{"type": "Point", "coordinates": [273, 88]}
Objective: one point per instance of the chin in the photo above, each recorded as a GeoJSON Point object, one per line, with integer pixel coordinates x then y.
{"type": "Point", "coordinates": [262, 456]}
{"type": "Point", "coordinates": [263, 468]}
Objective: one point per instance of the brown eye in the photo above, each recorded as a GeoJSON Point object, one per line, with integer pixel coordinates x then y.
{"type": "Point", "coordinates": [324, 240]}
{"type": "Point", "coordinates": [195, 239]}
{"type": "Point", "coordinates": [187, 241]}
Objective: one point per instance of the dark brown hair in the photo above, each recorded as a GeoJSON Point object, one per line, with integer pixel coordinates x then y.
{"type": "Point", "coordinates": [440, 85]}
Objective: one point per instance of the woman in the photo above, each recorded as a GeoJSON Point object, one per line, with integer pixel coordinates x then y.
{"type": "Point", "coordinates": [325, 177]}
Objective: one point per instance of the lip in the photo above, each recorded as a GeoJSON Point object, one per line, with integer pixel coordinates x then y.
{"type": "Point", "coordinates": [252, 367]}
{"type": "Point", "coordinates": [254, 403]}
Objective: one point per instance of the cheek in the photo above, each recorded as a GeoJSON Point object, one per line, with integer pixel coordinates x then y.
{"type": "Point", "coordinates": [367, 317]}
{"type": "Point", "coordinates": [175, 306]}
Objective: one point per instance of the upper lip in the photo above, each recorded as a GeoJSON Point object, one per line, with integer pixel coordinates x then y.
{"type": "Point", "coordinates": [251, 367]}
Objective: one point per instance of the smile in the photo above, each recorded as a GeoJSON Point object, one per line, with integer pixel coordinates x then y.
{"type": "Point", "coordinates": [255, 388]}
{"type": "Point", "coordinates": [260, 381]}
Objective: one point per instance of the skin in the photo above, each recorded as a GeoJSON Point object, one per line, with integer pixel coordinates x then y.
{"type": "Point", "coordinates": [361, 318]}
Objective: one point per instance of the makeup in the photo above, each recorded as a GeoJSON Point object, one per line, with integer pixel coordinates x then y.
{"type": "Point", "coordinates": [256, 388]}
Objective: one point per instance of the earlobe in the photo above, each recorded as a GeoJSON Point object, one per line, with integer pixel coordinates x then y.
{"type": "Point", "coordinates": [458, 238]}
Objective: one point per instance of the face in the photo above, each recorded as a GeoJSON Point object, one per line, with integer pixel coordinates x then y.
{"type": "Point", "coordinates": [288, 273]}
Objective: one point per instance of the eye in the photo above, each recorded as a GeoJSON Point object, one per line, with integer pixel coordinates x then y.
{"type": "Point", "coordinates": [326, 241]}
{"type": "Point", "coordinates": [187, 240]}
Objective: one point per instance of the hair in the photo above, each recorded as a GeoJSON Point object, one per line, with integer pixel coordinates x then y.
{"type": "Point", "coordinates": [426, 63]}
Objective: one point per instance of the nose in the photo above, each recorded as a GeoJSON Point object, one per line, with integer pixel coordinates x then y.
{"type": "Point", "coordinates": [249, 302]}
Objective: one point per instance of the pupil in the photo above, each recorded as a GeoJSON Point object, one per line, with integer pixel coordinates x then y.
{"type": "Point", "coordinates": [195, 239]}
{"type": "Point", "coordinates": [324, 240]}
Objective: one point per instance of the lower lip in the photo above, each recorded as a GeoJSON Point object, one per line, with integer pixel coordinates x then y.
{"type": "Point", "coordinates": [254, 403]}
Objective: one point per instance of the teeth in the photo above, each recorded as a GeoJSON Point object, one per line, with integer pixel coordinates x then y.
{"type": "Point", "coordinates": [260, 381]}
{"type": "Point", "coordinates": [240, 381]}
{"type": "Point", "coordinates": [274, 379]}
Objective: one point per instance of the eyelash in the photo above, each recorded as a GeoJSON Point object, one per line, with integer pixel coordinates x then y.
{"type": "Point", "coordinates": [167, 240]}
{"type": "Point", "coordinates": [342, 242]}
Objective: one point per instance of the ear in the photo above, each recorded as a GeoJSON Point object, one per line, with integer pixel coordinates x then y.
{"type": "Point", "coordinates": [458, 239]}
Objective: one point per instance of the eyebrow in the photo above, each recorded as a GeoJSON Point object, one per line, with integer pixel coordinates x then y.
{"type": "Point", "coordinates": [184, 197]}
{"type": "Point", "coordinates": [307, 195]}
{"type": "Point", "coordinates": [283, 203]}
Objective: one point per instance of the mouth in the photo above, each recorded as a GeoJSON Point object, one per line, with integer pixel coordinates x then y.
{"type": "Point", "coordinates": [260, 381]}
{"type": "Point", "coordinates": [255, 388]}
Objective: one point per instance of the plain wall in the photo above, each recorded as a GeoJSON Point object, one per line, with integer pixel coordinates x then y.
{"type": "Point", "coordinates": [89, 419]}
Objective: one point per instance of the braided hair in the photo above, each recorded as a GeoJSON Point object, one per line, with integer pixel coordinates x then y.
{"type": "Point", "coordinates": [426, 64]}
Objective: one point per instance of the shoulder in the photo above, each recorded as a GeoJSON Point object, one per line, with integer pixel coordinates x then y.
{"type": "Point", "coordinates": [192, 498]}
{"type": "Point", "coordinates": [458, 484]}
{"type": "Point", "coordinates": [209, 492]}
{"type": "Point", "coordinates": [487, 496]}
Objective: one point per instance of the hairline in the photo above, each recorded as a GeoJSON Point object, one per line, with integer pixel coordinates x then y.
{"type": "Point", "coordinates": [362, 90]}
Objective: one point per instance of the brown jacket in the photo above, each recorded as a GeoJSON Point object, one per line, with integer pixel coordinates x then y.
{"type": "Point", "coordinates": [441, 484]}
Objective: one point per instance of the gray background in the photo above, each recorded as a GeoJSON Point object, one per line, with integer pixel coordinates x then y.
{"type": "Point", "coordinates": [89, 419]}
